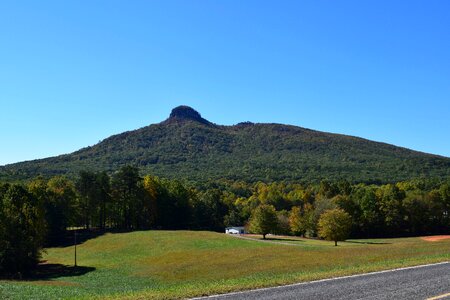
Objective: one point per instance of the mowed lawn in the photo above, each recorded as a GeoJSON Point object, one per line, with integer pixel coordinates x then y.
{"type": "Point", "coordinates": [180, 264]}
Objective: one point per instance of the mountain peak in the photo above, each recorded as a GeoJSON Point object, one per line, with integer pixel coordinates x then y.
{"type": "Point", "coordinates": [188, 147]}
{"type": "Point", "coordinates": [185, 113]}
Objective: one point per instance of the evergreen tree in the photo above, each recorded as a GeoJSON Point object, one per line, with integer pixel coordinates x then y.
{"type": "Point", "coordinates": [127, 191]}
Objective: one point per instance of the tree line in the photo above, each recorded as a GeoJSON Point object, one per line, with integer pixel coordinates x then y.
{"type": "Point", "coordinates": [40, 212]}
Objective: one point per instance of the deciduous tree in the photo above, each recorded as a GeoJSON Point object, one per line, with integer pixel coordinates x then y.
{"type": "Point", "coordinates": [335, 225]}
{"type": "Point", "coordinates": [22, 230]}
{"type": "Point", "coordinates": [264, 220]}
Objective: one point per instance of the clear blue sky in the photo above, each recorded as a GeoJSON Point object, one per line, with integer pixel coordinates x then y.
{"type": "Point", "coordinates": [75, 72]}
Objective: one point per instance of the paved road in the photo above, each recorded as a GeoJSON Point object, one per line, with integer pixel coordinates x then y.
{"type": "Point", "coordinates": [432, 281]}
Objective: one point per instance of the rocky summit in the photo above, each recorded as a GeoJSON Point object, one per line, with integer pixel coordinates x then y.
{"type": "Point", "coordinates": [185, 113]}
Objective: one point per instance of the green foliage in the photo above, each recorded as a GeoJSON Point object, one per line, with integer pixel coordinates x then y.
{"type": "Point", "coordinates": [296, 223]}
{"type": "Point", "coordinates": [391, 198]}
{"type": "Point", "coordinates": [283, 226]}
{"type": "Point", "coordinates": [94, 202]}
{"type": "Point", "coordinates": [264, 220]}
{"type": "Point", "coordinates": [320, 206]}
{"type": "Point", "coordinates": [444, 192]}
{"type": "Point", "coordinates": [301, 219]}
{"type": "Point", "coordinates": [129, 200]}
{"type": "Point", "coordinates": [233, 218]}
{"type": "Point", "coordinates": [170, 202]}
{"type": "Point", "coordinates": [58, 205]}
{"type": "Point", "coordinates": [22, 230]}
{"type": "Point", "coordinates": [209, 210]}
{"type": "Point", "coordinates": [417, 212]}
{"type": "Point", "coordinates": [335, 225]}
{"type": "Point", "coordinates": [198, 151]}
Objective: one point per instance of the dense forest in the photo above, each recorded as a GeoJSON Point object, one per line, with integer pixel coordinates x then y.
{"type": "Point", "coordinates": [40, 212]}
{"type": "Point", "coordinates": [190, 148]}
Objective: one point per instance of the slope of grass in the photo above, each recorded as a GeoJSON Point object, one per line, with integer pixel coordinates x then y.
{"type": "Point", "coordinates": [176, 264]}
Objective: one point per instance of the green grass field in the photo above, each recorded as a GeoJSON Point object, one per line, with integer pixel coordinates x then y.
{"type": "Point", "coordinates": [179, 264]}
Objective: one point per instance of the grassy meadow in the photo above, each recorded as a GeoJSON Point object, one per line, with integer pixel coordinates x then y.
{"type": "Point", "coordinates": [180, 264]}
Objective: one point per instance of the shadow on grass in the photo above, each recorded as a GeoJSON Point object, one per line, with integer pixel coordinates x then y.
{"type": "Point", "coordinates": [312, 239]}
{"type": "Point", "coordinates": [46, 271]}
{"type": "Point", "coordinates": [282, 240]}
{"type": "Point", "coordinates": [368, 243]}
{"type": "Point", "coordinates": [51, 271]}
{"type": "Point", "coordinates": [68, 238]}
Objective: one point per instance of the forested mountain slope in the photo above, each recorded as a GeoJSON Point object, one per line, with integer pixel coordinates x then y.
{"type": "Point", "coordinates": [186, 146]}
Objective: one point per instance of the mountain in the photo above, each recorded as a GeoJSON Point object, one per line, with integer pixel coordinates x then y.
{"type": "Point", "coordinates": [187, 146]}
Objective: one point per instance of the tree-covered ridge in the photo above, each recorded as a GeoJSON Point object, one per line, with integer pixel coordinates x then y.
{"type": "Point", "coordinates": [186, 146]}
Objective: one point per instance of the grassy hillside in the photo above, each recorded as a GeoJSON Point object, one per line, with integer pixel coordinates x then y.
{"type": "Point", "coordinates": [176, 264]}
{"type": "Point", "coordinates": [186, 146]}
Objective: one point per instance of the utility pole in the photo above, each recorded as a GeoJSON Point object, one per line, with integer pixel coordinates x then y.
{"type": "Point", "coordinates": [75, 238]}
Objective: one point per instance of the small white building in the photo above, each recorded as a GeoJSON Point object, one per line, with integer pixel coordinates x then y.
{"type": "Point", "coordinates": [235, 230]}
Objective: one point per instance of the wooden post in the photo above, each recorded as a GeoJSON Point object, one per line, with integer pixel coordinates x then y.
{"type": "Point", "coordinates": [75, 238]}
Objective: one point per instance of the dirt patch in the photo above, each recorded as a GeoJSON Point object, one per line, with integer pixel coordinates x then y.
{"type": "Point", "coordinates": [435, 238]}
